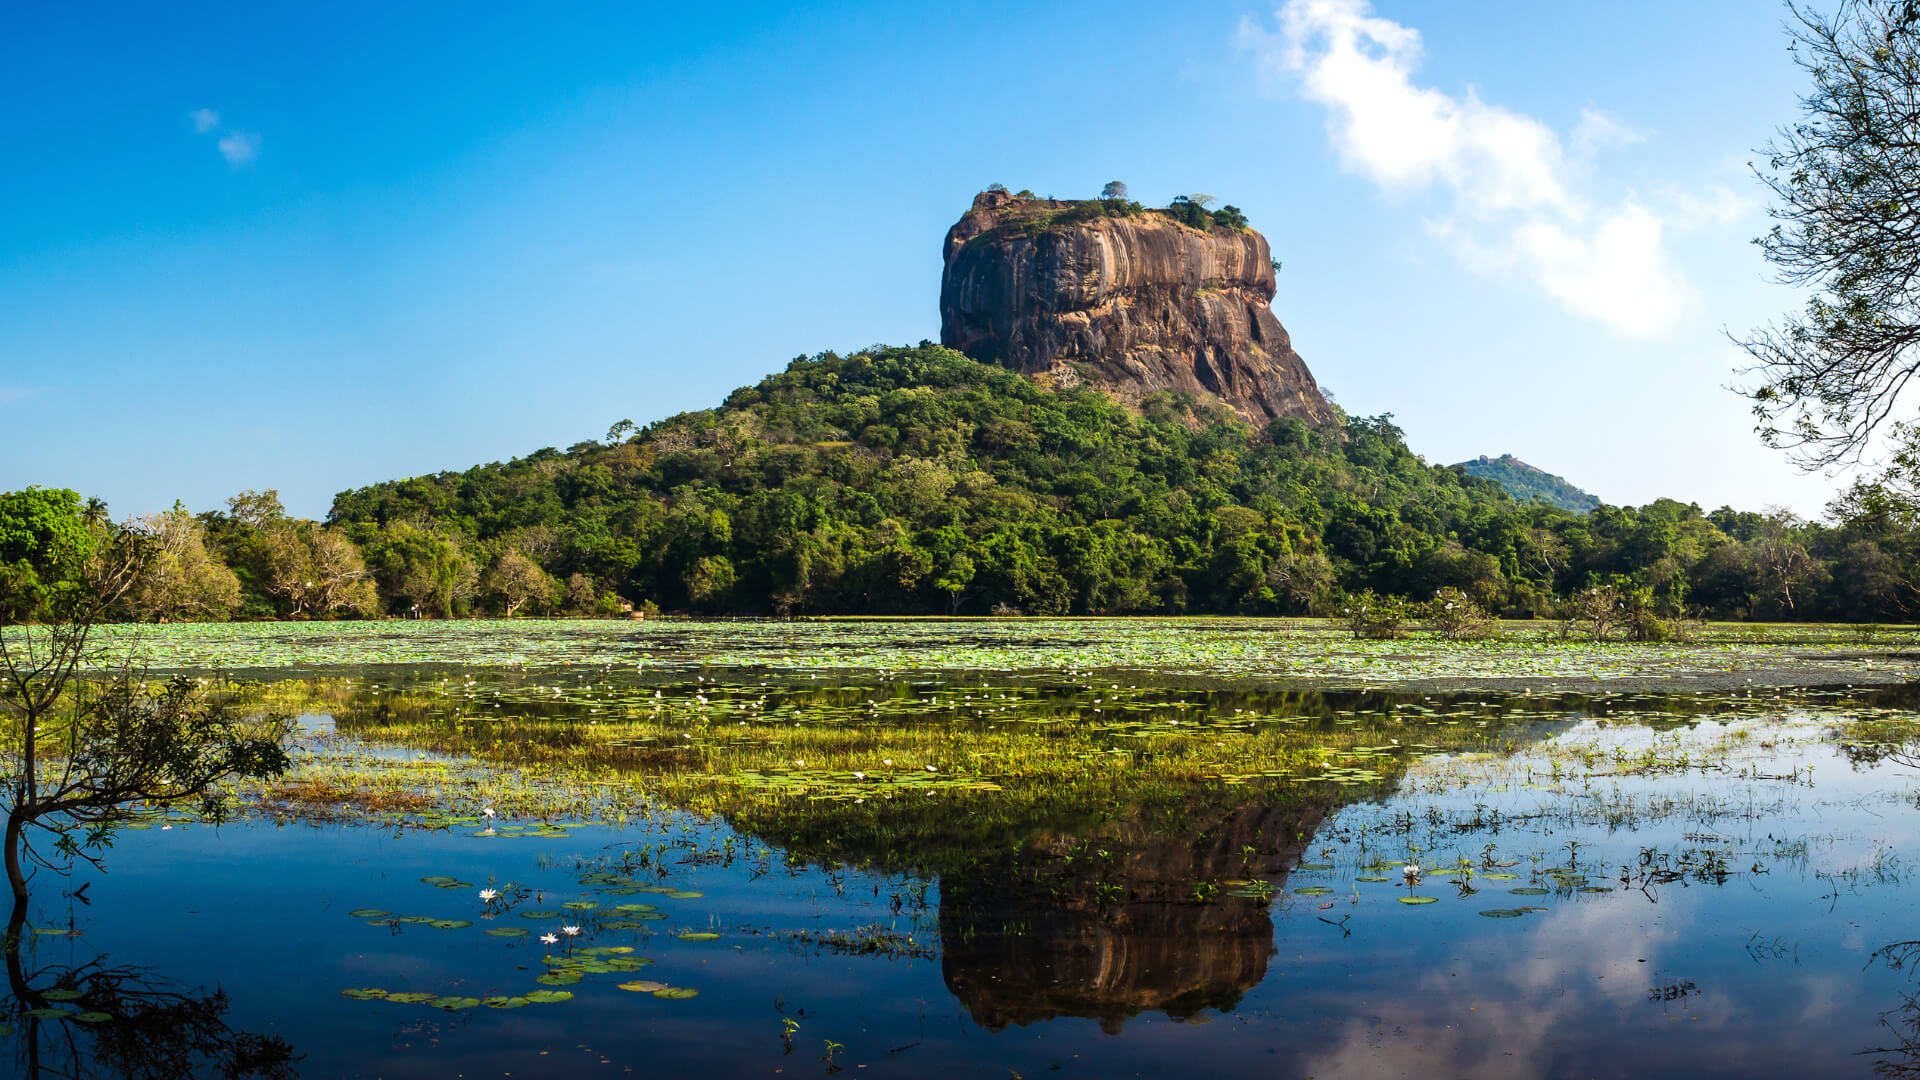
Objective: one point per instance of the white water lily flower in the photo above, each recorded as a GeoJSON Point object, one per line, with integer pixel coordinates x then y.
{"type": "Point", "coordinates": [932, 769]}
{"type": "Point", "coordinates": [570, 931]}
{"type": "Point", "coordinates": [486, 811]}
{"type": "Point", "coordinates": [1411, 870]}
{"type": "Point", "coordinates": [549, 939]}
{"type": "Point", "coordinates": [489, 895]}
{"type": "Point", "coordinates": [889, 761]}
{"type": "Point", "coordinates": [859, 776]}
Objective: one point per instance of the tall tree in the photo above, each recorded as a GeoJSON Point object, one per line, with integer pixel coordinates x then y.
{"type": "Point", "coordinates": [180, 580]}
{"type": "Point", "coordinates": [1844, 179]}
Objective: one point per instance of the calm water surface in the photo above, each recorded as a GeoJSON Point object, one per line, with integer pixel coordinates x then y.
{"type": "Point", "coordinates": [1700, 897]}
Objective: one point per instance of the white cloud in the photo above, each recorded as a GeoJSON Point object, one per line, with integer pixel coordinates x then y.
{"type": "Point", "coordinates": [14, 393]}
{"type": "Point", "coordinates": [1518, 199]}
{"type": "Point", "coordinates": [239, 147]}
{"type": "Point", "coordinates": [1600, 131]}
{"type": "Point", "coordinates": [204, 120]}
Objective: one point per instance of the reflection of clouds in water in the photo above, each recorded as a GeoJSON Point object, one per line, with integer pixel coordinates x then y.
{"type": "Point", "coordinates": [1828, 996]}
{"type": "Point", "coordinates": [1581, 980]}
{"type": "Point", "coordinates": [1568, 988]}
{"type": "Point", "coordinates": [1487, 1018]}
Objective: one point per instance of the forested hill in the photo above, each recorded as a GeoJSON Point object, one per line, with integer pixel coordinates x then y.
{"type": "Point", "coordinates": [1526, 483]}
{"type": "Point", "coordinates": [917, 480]}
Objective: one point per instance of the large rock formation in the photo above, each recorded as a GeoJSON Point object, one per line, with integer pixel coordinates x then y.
{"type": "Point", "coordinates": [1020, 944]}
{"type": "Point", "coordinates": [1136, 304]}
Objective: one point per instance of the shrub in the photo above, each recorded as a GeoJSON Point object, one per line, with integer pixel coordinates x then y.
{"type": "Point", "coordinates": [1453, 615]}
{"type": "Point", "coordinates": [1374, 617]}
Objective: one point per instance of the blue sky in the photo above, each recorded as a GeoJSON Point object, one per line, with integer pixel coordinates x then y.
{"type": "Point", "coordinates": [315, 247]}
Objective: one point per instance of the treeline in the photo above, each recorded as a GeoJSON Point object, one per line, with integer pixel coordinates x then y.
{"type": "Point", "coordinates": [1193, 211]}
{"type": "Point", "coordinates": [917, 481]}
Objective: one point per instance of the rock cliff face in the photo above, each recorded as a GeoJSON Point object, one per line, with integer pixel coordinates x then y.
{"type": "Point", "coordinates": [1135, 304]}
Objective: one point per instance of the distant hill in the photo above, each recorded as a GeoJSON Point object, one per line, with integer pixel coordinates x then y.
{"type": "Point", "coordinates": [1526, 483]}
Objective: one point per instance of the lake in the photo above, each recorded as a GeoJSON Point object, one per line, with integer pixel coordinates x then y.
{"type": "Point", "coordinates": [974, 849]}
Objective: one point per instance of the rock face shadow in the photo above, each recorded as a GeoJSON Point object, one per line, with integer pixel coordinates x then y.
{"type": "Point", "coordinates": [1108, 939]}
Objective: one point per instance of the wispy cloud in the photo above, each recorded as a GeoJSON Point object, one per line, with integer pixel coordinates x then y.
{"type": "Point", "coordinates": [239, 147]}
{"type": "Point", "coordinates": [11, 394]}
{"type": "Point", "coordinates": [1519, 200]}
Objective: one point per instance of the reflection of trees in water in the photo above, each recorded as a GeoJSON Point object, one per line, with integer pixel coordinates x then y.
{"type": "Point", "coordinates": [1901, 1059]}
{"type": "Point", "coordinates": [1057, 930]}
{"type": "Point", "coordinates": [154, 1029]}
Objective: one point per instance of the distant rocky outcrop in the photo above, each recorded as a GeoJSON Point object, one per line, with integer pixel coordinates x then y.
{"type": "Point", "coordinates": [1526, 483]}
{"type": "Point", "coordinates": [1136, 303]}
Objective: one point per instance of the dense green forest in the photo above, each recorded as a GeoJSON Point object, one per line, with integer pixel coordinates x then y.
{"type": "Point", "coordinates": [1526, 483]}
{"type": "Point", "coordinates": [915, 480]}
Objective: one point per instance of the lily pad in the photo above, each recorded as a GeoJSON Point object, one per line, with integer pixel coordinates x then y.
{"type": "Point", "coordinates": [1503, 913]}
{"type": "Point", "coordinates": [1372, 877]}
{"type": "Point", "coordinates": [697, 935]}
{"type": "Point", "coordinates": [92, 1017]}
{"type": "Point", "coordinates": [1501, 877]}
{"type": "Point", "coordinates": [1313, 890]}
{"type": "Point", "coordinates": [364, 993]}
{"type": "Point", "coordinates": [579, 905]}
{"type": "Point", "coordinates": [675, 993]}
{"type": "Point", "coordinates": [635, 907]}
{"type": "Point", "coordinates": [506, 931]}
{"type": "Point", "coordinates": [539, 914]}
{"type": "Point", "coordinates": [684, 894]}
{"type": "Point", "coordinates": [643, 986]}
{"type": "Point", "coordinates": [455, 1004]}
{"type": "Point", "coordinates": [505, 1002]}
{"type": "Point", "coordinates": [48, 1014]}
{"type": "Point", "coordinates": [412, 997]}
{"type": "Point", "coordinates": [1528, 890]}
{"type": "Point", "coordinates": [548, 997]}
{"type": "Point", "coordinates": [368, 913]}
{"type": "Point", "coordinates": [558, 978]}
{"type": "Point", "coordinates": [1419, 899]}
{"type": "Point", "coordinates": [451, 924]}
{"type": "Point", "coordinates": [62, 995]}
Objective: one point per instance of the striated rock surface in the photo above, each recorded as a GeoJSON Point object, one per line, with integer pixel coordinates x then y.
{"type": "Point", "coordinates": [1136, 304]}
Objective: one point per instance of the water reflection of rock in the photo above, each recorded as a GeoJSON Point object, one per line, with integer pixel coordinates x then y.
{"type": "Point", "coordinates": [1062, 932]}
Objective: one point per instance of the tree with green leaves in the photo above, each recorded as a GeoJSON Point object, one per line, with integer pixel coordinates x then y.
{"type": "Point", "coordinates": [1843, 177]}
{"type": "Point", "coordinates": [46, 543]}
{"type": "Point", "coordinates": [81, 756]}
